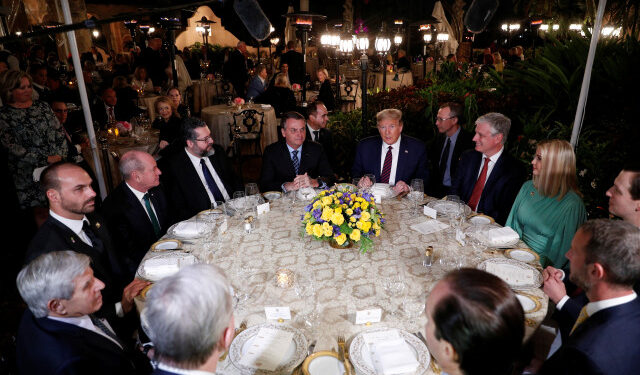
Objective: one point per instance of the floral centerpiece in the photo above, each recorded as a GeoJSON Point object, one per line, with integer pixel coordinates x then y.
{"type": "Point", "coordinates": [296, 87]}
{"type": "Point", "coordinates": [124, 127]}
{"type": "Point", "coordinates": [343, 217]}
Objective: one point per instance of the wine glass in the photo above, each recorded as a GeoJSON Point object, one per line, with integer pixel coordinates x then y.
{"type": "Point", "coordinates": [239, 201]}
{"type": "Point", "coordinates": [394, 286]}
{"type": "Point", "coordinates": [290, 198]}
{"type": "Point", "coordinates": [416, 193]}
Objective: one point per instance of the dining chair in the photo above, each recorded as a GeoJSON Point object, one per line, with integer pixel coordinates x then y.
{"type": "Point", "coordinates": [246, 128]}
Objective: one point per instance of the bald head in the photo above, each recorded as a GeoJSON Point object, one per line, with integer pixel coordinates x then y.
{"type": "Point", "coordinates": [139, 170]}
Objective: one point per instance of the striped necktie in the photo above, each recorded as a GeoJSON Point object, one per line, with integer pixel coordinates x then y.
{"type": "Point", "coordinates": [295, 160]}
{"type": "Point", "coordinates": [386, 167]}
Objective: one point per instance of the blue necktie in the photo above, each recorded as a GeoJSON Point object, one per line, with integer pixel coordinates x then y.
{"type": "Point", "coordinates": [295, 160]}
{"type": "Point", "coordinates": [213, 187]}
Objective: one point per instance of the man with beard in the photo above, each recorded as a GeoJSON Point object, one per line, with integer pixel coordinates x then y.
{"type": "Point", "coordinates": [73, 225]}
{"type": "Point", "coordinates": [605, 261]}
{"type": "Point", "coordinates": [200, 175]}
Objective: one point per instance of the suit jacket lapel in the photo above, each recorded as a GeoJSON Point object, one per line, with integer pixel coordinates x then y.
{"type": "Point", "coordinates": [495, 173]}
{"type": "Point", "coordinates": [191, 178]}
{"type": "Point", "coordinates": [375, 157]}
{"type": "Point", "coordinates": [403, 156]}
{"type": "Point", "coordinates": [159, 207]}
{"type": "Point", "coordinates": [135, 211]}
{"type": "Point", "coordinates": [286, 158]}
{"type": "Point", "coordinates": [90, 337]}
{"type": "Point", "coordinates": [473, 175]}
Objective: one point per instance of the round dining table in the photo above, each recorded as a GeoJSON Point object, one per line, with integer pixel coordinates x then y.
{"type": "Point", "coordinates": [220, 116]}
{"type": "Point", "coordinates": [404, 79]}
{"type": "Point", "coordinates": [205, 92]}
{"type": "Point", "coordinates": [344, 280]}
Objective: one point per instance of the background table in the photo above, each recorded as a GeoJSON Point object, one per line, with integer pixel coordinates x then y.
{"type": "Point", "coordinates": [404, 79]}
{"type": "Point", "coordinates": [346, 280]}
{"type": "Point", "coordinates": [149, 102]}
{"type": "Point", "coordinates": [205, 92]}
{"type": "Point", "coordinates": [218, 117]}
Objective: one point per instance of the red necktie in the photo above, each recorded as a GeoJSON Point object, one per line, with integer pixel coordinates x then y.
{"type": "Point", "coordinates": [386, 167]}
{"type": "Point", "coordinates": [112, 116]}
{"type": "Point", "coordinates": [477, 189]}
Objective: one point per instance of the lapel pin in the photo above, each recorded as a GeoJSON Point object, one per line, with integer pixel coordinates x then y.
{"type": "Point", "coordinates": [73, 240]}
{"type": "Point", "coordinates": [98, 225]}
{"type": "Point", "coordinates": [406, 151]}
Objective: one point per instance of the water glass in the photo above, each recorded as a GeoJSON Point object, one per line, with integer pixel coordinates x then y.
{"type": "Point", "coordinates": [239, 201]}
{"type": "Point", "coordinates": [416, 193]}
{"type": "Point", "coordinates": [290, 199]}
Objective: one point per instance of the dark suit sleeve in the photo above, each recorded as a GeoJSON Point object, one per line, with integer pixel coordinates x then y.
{"type": "Point", "coordinates": [177, 203]}
{"type": "Point", "coordinates": [458, 179]}
{"type": "Point", "coordinates": [422, 169]}
{"type": "Point", "coordinates": [358, 169]}
{"type": "Point", "coordinates": [325, 173]}
{"type": "Point", "coordinates": [268, 175]}
{"type": "Point", "coordinates": [570, 361]}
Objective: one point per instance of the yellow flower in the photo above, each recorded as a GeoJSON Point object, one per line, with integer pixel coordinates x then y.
{"type": "Point", "coordinates": [327, 212]}
{"type": "Point", "coordinates": [317, 230]}
{"type": "Point", "coordinates": [366, 225]}
{"type": "Point", "coordinates": [376, 226]}
{"type": "Point", "coordinates": [337, 218]}
{"type": "Point", "coordinates": [338, 210]}
{"type": "Point", "coordinates": [349, 211]}
{"type": "Point", "coordinates": [326, 201]}
{"type": "Point", "coordinates": [377, 232]}
{"type": "Point", "coordinates": [366, 216]}
{"type": "Point", "coordinates": [364, 205]}
{"type": "Point", "coordinates": [341, 238]}
{"type": "Point", "coordinates": [328, 232]}
{"type": "Point", "coordinates": [355, 235]}
{"type": "Point", "coordinates": [317, 204]}
{"type": "Point", "coordinates": [309, 228]}
{"type": "Point", "coordinates": [352, 219]}
{"type": "Point", "coordinates": [307, 216]}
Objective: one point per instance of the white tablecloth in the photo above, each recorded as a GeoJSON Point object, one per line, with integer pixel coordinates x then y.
{"type": "Point", "coordinates": [205, 91]}
{"type": "Point", "coordinates": [218, 117]}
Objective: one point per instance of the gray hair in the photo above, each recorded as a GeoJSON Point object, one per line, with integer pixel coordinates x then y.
{"type": "Point", "coordinates": [499, 123]}
{"type": "Point", "coordinates": [50, 276]}
{"type": "Point", "coordinates": [186, 315]}
{"type": "Point", "coordinates": [615, 244]}
{"type": "Point", "coordinates": [129, 163]}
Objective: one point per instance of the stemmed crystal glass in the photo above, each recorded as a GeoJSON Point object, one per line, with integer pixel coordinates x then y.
{"type": "Point", "coordinates": [394, 285]}
{"type": "Point", "coordinates": [304, 286]}
{"type": "Point", "coordinates": [252, 194]}
{"type": "Point", "coordinates": [239, 199]}
{"type": "Point", "coordinates": [416, 193]}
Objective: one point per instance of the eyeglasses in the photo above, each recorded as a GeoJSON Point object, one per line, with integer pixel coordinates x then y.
{"type": "Point", "coordinates": [61, 110]}
{"type": "Point", "coordinates": [444, 119]}
{"type": "Point", "coordinates": [205, 139]}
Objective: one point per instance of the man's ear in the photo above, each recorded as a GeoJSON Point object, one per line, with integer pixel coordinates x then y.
{"type": "Point", "coordinates": [597, 271]}
{"type": "Point", "coordinates": [450, 352]}
{"type": "Point", "coordinates": [52, 195]}
{"type": "Point", "coordinates": [55, 306]}
{"type": "Point", "coordinates": [227, 335]}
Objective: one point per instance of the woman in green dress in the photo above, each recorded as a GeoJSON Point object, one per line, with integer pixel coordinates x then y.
{"type": "Point", "coordinates": [548, 209]}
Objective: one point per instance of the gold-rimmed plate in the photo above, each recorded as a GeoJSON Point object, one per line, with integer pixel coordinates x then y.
{"type": "Point", "coordinates": [166, 245]}
{"type": "Point", "coordinates": [481, 219]}
{"type": "Point", "coordinates": [272, 195]}
{"type": "Point", "coordinates": [324, 362]}
{"type": "Point", "coordinates": [522, 254]}
{"type": "Point", "coordinates": [529, 302]}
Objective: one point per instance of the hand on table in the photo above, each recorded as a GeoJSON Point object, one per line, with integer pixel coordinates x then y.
{"type": "Point", "coordinates": [304, 181]}
{"type": "Point", "coordinates": [130, 292]}
{"type": "Point", "coordinates": [553, 285]}
{"type": "Point", "coordinates": [401, 187]}
{"type": "Point", "coordinates": [364, 182]}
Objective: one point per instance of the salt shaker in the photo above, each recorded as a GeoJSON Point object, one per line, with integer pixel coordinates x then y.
{"type": "Point", "coordinates": [428, 256]}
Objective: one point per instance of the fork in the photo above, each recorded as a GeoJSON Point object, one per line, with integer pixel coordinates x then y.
{"type": "Point", "coordinates": [345, 357]}
{"type": "Point", "coordinates": [242, 327]}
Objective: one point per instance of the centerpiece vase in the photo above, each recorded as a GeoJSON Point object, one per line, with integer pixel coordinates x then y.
{"type": "Point", "coordinates": [346, 245]}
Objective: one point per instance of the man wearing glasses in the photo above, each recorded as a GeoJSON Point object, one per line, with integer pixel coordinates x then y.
{"type": "Point", "coordinates": [447, 147]}
{"type": "Point", "coordinates": [200, 175]}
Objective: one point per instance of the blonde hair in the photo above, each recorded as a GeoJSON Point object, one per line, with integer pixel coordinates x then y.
{"type": "Point", "coordinates": [557, 170]}
{"type": "Point", "coordinates": [390, 114]}
{"type": "Point", "coordinates": [165, 99]}
{"type": "Point", "coordinates": [9, 81]}
{"type": "Point", "coordinates": [324, 71]}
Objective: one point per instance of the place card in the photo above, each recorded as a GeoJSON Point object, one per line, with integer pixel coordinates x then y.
{"type": "Point", "coordinates": [278, 313]}
{"type": "Point", "coordinates": [377, 198]}
{"type": "Point", "coordinates": [263, 208]}
{"type": "Point", "coordinates": [223, 227]}
{"type": "Point", "coordinates": [368, 316]}
{"type": "Point", "coordinates": [267, 349]}
{"type": "Point", "coordinates": [430, 212]}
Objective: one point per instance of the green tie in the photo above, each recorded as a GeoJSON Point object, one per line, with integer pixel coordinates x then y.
{"type": "Point", "coordinates": [154, 219]}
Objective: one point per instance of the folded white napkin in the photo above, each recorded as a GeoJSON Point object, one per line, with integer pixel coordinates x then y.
{"type": "Point", "coordinates": [188, 228]}
{"type": "Point", "coordinates": [501, 236]}
{"type": "Point", "coordinates": [393, 357]}
{"type": "Point", "coordinates": [429, 226]}
{"type": "Point", "coordinates": [157, 268]}
{"type": "Point", "coordinates": [267, 349]}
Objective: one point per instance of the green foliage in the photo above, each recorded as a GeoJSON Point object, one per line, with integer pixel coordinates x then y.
{"type": "Point", "coordinates": [347, 131]}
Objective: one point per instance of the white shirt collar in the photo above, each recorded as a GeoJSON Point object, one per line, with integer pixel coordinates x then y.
{"type": "Point", "coordinates": [81, 321]}
{"type": "Point", "coordinates": [495, 156]}
{"type": "Point", "coordinates": [74, 225]}
{"type": "Point", "coordinates": [137, 193]}
{"type": "Point", "coordinates": [182, 371]}
{"type": "Point", "coordinates": [291, 149]}
{"type": "Point", "coordinates": [196, 159]}
{"type": "Point", "coordinates": [594, 307]}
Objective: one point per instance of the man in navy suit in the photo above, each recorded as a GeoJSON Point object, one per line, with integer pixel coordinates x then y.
{"type": "Point", "coordinates": [488, 179]}
{"type": "Point", "coordinates": [73, 225]}
{"type": "Point", "coordinates": [604, 338]}
{"type": "Point", "coordinates": [199, 175]}
{"type": "Point", "coordinates": [136, 211]}
{"type": "Point", "coordinates": [294, 162]}
{"type": "Point", "coordinates": [317, 117]}
{"type": "Point", "coordinates": [447, 147]}
{"type": "Point", "coordinates": [194, 344]}
{"type": "Point", "coordinates": [391, 157]}
{"type": "Point", "coordinates": [59, 334]}
{"type": "Point", "coordinates": [258, 84]}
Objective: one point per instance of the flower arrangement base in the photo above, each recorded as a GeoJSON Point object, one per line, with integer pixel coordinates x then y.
{"type": "Point", "coordinates": [345, 245]}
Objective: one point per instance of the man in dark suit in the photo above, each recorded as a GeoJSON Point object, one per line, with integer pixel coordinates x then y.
{"type": "Point", "coordinates": [488, 179]}
{"type": "Point", "coordinates": [236, 70]}
{"type": "Point", "coordinates": [294, 163]}
{"type": "Point", "coordinates": [258, 84]}
{"type": "Point", "coordinates": [604, 337]}
{"type": "Point", "coordinates": [393, 158]}
{"type": "Point", "coordinates": [295, 62]}
{"type": "Point", "coordinates": [136, 211]}
{"type": "Point", "coordinates": [59, 334]}
{"type": "Point", "coordinates": [447, 147]}
{"type": "Point", "coordinates": [199, 175]}
{"type": "Point", "coordinates": [317, 117]}
{"type": "Point", "coordinates": [182, 344]}
{"type": "Point", "coordinates": [107, 110]}
{"type": "Point", "coordinates": [72, 225]}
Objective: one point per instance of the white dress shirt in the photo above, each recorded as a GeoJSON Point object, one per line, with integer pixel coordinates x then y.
{"type": "Point", "coordinates": [395, 153]}
{"type": "Point", "coordinates": [86, 323]}
{"type": "Point", "coordinates": [140, 195]}
{"type": "Point", "coordinates": [74, 225]}
{"type": "Point", "coordinates": [182, 371]}
{"type": "Point", "coordinates": [594, 307]}
{"type": "Point", "coordinates": [196, 164]}
{"type": "Point", "coordinates": [311, 130]}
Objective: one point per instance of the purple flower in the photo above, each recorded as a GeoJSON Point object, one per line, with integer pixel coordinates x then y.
{"type": "Point", "coordinates": [308, 207]}
{"type": "Point", "coordinates": [336, 230]}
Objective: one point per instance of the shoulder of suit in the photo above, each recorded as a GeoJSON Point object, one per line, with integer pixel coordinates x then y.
{"type": "Point", "coordinates": [311, 145]}
{"type": "Point", "coordinates": [411, 140]}
{"type": "Point", "coordinates": [370, 139]}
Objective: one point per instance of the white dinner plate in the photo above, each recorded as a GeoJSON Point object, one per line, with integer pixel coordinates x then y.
{"type": "Point", "coordinates": [179, 258]}
{"type": "Point", "coordinates": [530, 304]}
{"type": "Point", "coordinates": [306, 194]}
{"type": "Point", "coordinates": [479, 233]}
{"type": "Point", "coordinates": [523, 255]}
{"type": "Point", "coordinates": [168, 244]}
{"type": "Point", "coordinates": [481, 220]}
{"type": "Point", "coordinates": [296, 353]}
{"type": "Point", "coordinates": [517, 274]}
{"type": "Point", "coordinates": [445, 207]}
{"type": "Point", "coordinates": [323, 363]}
{"type": "Point", "coordinates": [360, 354]}
{"type": "Point", "coordinates": [272, 195]}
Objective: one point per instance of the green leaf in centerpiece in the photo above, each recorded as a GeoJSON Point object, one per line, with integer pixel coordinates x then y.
{"type": "Point", "coordinates": [346, 229]}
